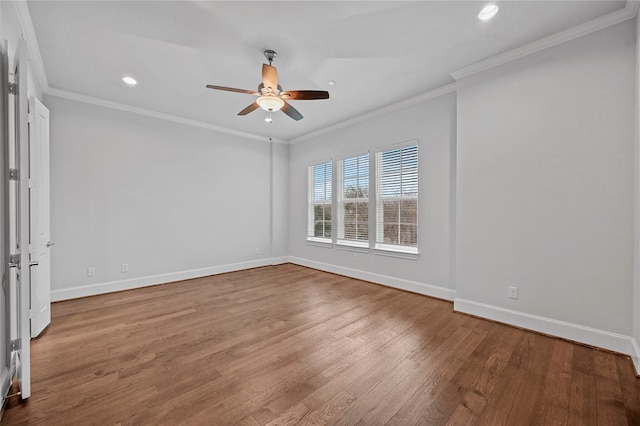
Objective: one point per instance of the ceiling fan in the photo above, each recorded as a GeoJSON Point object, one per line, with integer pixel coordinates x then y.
{"type": "Point", "coordinates": [271, 97]}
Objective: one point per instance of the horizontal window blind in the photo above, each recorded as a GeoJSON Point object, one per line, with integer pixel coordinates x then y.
{"type": "Point", "coordinates": [397, 197]}
{"type": "Point", "coordinates": [320, 195]}
{"type": "Point", "coordinates": [353, 199]}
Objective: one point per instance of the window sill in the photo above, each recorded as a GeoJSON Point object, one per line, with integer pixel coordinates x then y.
{"type": "Point", "coordinates": [319, 242]}
{"type": "Point", "coordinates": [359, 247]}
{"type": "Point", "coordinates": [396, 251]}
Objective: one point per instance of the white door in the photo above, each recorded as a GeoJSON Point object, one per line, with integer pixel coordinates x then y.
{"type": "Point", "coordinates": [19, 232]}
{"type": "Point", "coordinates": [39, 214]}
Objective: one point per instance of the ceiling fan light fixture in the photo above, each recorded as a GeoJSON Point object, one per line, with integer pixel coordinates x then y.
{"type": "Point", "coordinates": [270, 103]}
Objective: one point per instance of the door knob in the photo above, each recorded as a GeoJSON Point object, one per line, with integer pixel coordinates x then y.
{"type": "Point", "coordinates": [49, 244]}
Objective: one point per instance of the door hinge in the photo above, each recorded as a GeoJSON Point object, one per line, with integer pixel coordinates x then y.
{"type": "Point", "coordinates": [31, 118]}
{"type": "Point", "coordinates": [14, 259]}
{"type": "Point", "coordinates": [14, 345]}
{"type": "Point", "coordinates": [13, 174]}
{"type": "Point", "coordinates": [13, 88]}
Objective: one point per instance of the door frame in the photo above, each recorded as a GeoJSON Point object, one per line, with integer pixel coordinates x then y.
{"type": "Point", "coordinates": [6, 370]}
{"type": "Point", "coordinates": [21, 130]}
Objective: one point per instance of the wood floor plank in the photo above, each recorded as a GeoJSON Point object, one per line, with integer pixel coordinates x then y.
{"type": "Point", "coordinates": [554, 408]}
{"type": "Point", "coordinates": [293, 345]}
{"type": "Point", "coordinates": [430, 363]}
{"type": "Point", "coordinates": [367, 401]}
{"type": "Point", "coordinates": [609, 401]}
{"type": "Point", "coordinates": [495, 353]}
{"type": "Point", "coordinates": [582, 399]}
{"type": "Point", "coordinates": [629, 389]}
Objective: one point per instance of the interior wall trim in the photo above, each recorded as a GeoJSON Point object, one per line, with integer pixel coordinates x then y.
{"type": "Point", "coordinates": [379, 112]}
{"type": "Point", "coordinates": [160, 115]}
{"type": "Point", "coordinates": [279, 260]}
{"type": "Point", "coordinates": [628, 12]}
{"type": "Point", "coordinates": [399, 283]}
{"type": "Point", "coordinates": [130, 284]}
{"type": "Point", "coordinates": [566, 330]}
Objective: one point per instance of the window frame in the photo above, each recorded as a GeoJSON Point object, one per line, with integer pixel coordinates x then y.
{"type": "Point", "coordinates": [311, 203]}
{"type": "Point", "coordinates": [380, 247]}
{"type": "Point", "coordinates": [342, 242]}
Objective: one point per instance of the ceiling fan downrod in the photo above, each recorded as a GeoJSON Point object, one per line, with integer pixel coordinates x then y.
{"type": "Point", "coordinates": [270, 55]}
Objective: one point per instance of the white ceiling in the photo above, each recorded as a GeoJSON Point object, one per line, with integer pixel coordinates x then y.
{"type": "Point", "coordinates": [379, 53]}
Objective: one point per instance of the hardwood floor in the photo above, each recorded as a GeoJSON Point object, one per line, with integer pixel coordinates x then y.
{"type": "Point", "coordinates": [290, 345]}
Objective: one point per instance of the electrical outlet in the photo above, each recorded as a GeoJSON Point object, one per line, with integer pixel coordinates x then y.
{"type": "Point", "coordinates": [91, 271]}
{"type": "Point", "coordinates": [258, 251]}
{"type": "Point", "coordinates": [124, 268]}
{"type": "Point", "coordinates": [513, 292]}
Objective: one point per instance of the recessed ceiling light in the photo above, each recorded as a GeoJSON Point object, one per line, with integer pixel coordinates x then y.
{"type": "Point", "coordinates": [130, 81]}
{"type": "Point", "coordinates": [331, 83]}
{"type": "Point", "coordinates": [488, 12]}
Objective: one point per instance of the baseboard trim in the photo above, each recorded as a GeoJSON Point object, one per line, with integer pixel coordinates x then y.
{"type": "Point", "coordinates": [280, 260]}
{"type": "Point", "coordinates": [635, 355]}
{"type": "Point", "coordinates": [412, 286]}
{"type": "Point", "coordinates": [569, 331]}
{"type": "Point", "coordinates": [113, 286]}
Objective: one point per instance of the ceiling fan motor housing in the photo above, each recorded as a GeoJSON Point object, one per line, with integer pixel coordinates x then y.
{"type": "Point", "coordinates": [268, 91]}
{"type": "Point", "coordinates": [270, 55]}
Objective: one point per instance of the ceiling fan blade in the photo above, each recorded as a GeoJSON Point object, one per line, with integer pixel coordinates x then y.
{"type": "Point", "coordinates": [270, 76]}
{"type": "Point", "coordinates": [291, 111]}
{"type": "Point", "coordinates": [232, 89]}
{"type": "Point", "coordinates": [249, 109]}
{"type": "Point", "coordinates": [305, 95]}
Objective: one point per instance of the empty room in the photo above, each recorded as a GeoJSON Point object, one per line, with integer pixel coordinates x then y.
{"type": "Point", "coordinates": [320, 212]}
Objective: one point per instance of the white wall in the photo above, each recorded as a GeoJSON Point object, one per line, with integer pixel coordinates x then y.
{"type": "Point", "coordinates": [169, 200]}
{"type": "Point", "coordinates": [545, 189]}
{"type": "Point", "coordinates": [432, 123]}
{"type": "Point", "coordinates": [280, 203]}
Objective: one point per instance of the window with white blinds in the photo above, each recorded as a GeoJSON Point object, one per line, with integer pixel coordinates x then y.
{"type": "Point", "coordinates": [319, 209]}
{"type": "Point", "coordinates": [397, 199]}
{"type": "Point", "coordinates": [353, 201]}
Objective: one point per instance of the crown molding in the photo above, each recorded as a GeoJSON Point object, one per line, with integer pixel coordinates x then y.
{"type": "Point", "coordinates": [155, 114]}
{"type": "Point", "coordinates": [29, 34]}
{"type": "Point", "coordinates": [382, 111]}
{"type": "Point", "coordinates": [628, 12]}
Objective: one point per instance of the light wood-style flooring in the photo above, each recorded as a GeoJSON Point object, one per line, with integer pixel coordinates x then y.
{"type": "Point", "coordinates": [289, 345]}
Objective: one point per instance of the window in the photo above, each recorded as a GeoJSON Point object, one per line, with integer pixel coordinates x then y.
{"type": "Point", "coordinates": [319, 209]}
{"type": "Point", "coordinates": [397, 199]}
{"type": "Point", "coordinates": [353, 201]}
